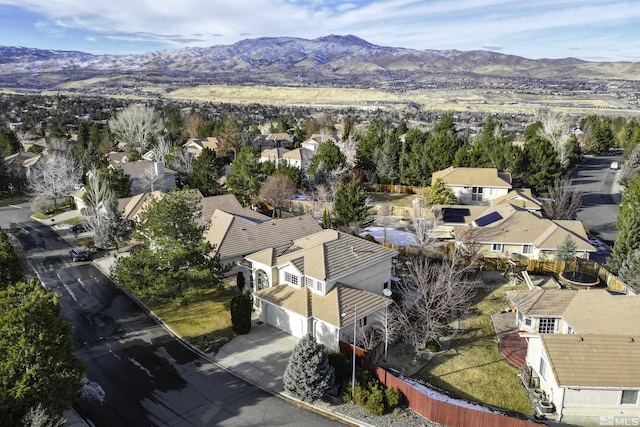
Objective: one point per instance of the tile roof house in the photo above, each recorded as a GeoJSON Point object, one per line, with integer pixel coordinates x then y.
{"type": "Point", "coordinates": [507, 231]}
{"type": "Point", "coordinates": [475, 186]}
{"type": "Point", "coordinates": [583, 348]}
{"type": "Point", "coordinates": [196, 145]}
{"type": "Point", "coordinates": [148, 176]}
{"type": "Point", "coordinates": [239, 233]}
{"type": "Point", "coordinates": [316, 284]}
{"type": "Point", "coordinates": [273, 140]}
{"type": "Point", "coordinates": [275, 155]}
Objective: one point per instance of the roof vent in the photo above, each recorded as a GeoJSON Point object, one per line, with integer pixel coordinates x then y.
{"type": "Point", "coordinates": [631, 339]}
{"type": "Point", "coordinates": [580, 339]}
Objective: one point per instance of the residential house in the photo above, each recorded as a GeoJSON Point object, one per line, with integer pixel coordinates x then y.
{"type": "Point", "coordinates": [239, 233]}
{"type": "Point", "coordinates": [196, 145]}
{"type": "Point", "coordinates": [522, 198]}
{"type": "Point", "coordinates": [133, 206]}
{"type": "Point", "coordinates": [475, 186]}
{"type": "Point", "coordinates": [275, 155]}
{"type": "Point", "coordinates": [21, 163]}
{"type": "Point", "coordinates": [299, 157]}
{"type": "Point", "coordinates": [583, 348]}
{"type": "Point", "coordinates": [507, 231]}
{"type": "Point", "coordinates": [318, 283]}
{"type": "Point", "coordinates": [273, 140]}
{"type": "Point", "coordinates": [148, 176]}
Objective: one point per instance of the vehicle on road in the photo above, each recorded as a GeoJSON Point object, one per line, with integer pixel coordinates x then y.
{"type": "Point", "coordinates": [615, 165]}
{"type": "Point", "coordinates": [78, 254]}
{"type": "Point", "coordinates": [80, 227]}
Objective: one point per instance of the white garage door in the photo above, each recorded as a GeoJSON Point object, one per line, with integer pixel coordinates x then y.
{"type": "Point", "coordinates": [281, 319]}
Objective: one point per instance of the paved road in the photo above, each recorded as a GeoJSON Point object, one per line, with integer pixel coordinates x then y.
{"type": "Point", "coordinates": [148, 377]}
{"type": "Point", "coordinates": [599, 212]}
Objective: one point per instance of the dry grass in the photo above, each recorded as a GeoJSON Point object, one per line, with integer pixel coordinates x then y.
{"type": "Point", "coordinates": [395, 199]}
{"type": "Point", "coordinates": [473, 368]}
{"type": "Point", "coordinates": [205, 323]}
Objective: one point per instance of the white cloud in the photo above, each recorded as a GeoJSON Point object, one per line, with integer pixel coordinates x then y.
{"type": "Point", "coordinates": [519, 27]}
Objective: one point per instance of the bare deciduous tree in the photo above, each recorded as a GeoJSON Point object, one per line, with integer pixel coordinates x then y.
{"type": "Point", "coordinates": [161, 149]}
{"type": "Point", "coordinates": [555, 129]}
{"type": "Point", "coordinates": [384, 212]}
{"type": "Point", "coordinates": [151, 178]}
{"type": "Point", "coordinates": [435, 296]}
{"type": "Point", "coordinates": [563, 202]}
{"type": "Point", "coordinates": [39, 417]}
{"type": "Point", "coordinates": [423, 227]}
{"type": "Point", "coordinates": [277, 190]}
{"type": "Point", "coordinates": [134, 125]}
{"type": "Point", "coordinates": [56, 176]}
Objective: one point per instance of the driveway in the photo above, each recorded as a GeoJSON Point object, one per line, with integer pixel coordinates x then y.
{"type": "Point", "coordinates": [260, 357]}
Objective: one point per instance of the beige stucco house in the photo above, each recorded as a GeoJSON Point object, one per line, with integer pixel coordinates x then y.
{"type": "Point", "coordinates": [583, 349]}
{"type": "Point", "coordinates": [508, 231]}
{"type": "Point", "coordinates": [475, 186]}
{"type": "Point", "coordinates": [316, 285]}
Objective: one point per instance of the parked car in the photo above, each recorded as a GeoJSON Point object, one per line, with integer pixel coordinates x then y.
{"type": "Point", "coordinates": [615, 165]}
{"type": "Point", "coordinates": [78, 254]}
{"type": "Point", "coordinates": [80, 227]}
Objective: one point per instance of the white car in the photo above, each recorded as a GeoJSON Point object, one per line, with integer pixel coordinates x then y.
{"type": "Point", "coordinates": [614, 165]}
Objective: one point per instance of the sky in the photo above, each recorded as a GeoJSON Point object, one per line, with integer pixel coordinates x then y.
{"type": "Point", "coordinates": [596, 30]}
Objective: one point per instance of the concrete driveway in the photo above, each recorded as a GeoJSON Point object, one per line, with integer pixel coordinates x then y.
{"type": "Point", "coordinates": [259, 357]}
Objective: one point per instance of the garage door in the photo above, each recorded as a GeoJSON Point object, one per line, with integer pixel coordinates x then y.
{"type": "Point", "coordinates": [283, 320]}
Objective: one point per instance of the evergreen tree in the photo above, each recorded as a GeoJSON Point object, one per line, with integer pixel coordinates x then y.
{"type": "Point", "coordinates": [386, 159]}
{"type": "Point", "coordinates": [119, 182]}
{"type": "Point", "coordinates": [9, 143]}
{"type": "Point", "coordinates": [207, 170]}
{"type": "Point", "coordinates": [566, 251]}
{"type": "Point", "coordinates": [543, 164]}
{"type": "Point", "coordinates": [573, 152]}
{"type": "Point", "coordinates": [241, 313]}
{"type": "Point", "coordinates": [440, 194]}
{"type": "Point", "coordinates": [330, 156]}
{"type": "Point", "coordinates": [350, 204]}
{"type": "Point", "coordinates": [308, 375]}
{"type": "Point", "coordinates": [628, 238]}
{"type": "Point", "coordinates": [246, 176]}
{"type": "Point", "coordinates": [38, 363]}
{"type": "Point", "coordinates": [442, 144]}
{"type": "Point", "coordinates": [10, 263]}
{"type": "Point", "coordinates": [113, 228]}
{"type": "Point", "coordinates": [414, 168]}
{"type": "Point", "coordinates": [630, 270]}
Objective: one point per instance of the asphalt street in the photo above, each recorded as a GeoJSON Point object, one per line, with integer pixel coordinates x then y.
{"type": "Point", "coordinates": [599, 212]}
{"type": "Point", "coordinates": [148, 377]}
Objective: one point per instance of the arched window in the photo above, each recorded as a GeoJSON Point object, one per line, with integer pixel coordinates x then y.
{"type": "Point", "coordinates": [262, 280]}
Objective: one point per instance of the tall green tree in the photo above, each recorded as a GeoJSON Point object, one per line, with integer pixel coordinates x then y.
{"type": "Point", "coordinates": [630, 270]}
{"type": "Point", "coordinates": [543, 164]}
{"type": "Point", "coordinates": [414, 160]}
{"type": "Point", "coordinates": [440, 194]}
{"type": "Point", "coordinates": [386, 159]}
{"type": "Point", "coordinates": [350, 205]}
{"type": "Point", "coordinates": [38, 363]}
{"type": "Point", "coordinates": [9, 142]}
{"type": "Point", "coordinates": [173, 261]}
{"type": "Point", "coordinates": [11, 271]}
{"type": "Point", "coordinates": [566, 250]}
{"type": "Point", "coordinates": [119, 182]}
{"type": "Point", "coordinates": [330, 156]}
{"type": "Point", "coordinates": [207, 170]}
{"type": "Point", "coordinates": [308, 375]}
{"type": "Point", "coordinates": [246, 176]}
{"type": "Point", "coordinates": [443, 143]}
{"type": "Point", "coordinates": [628, 238]}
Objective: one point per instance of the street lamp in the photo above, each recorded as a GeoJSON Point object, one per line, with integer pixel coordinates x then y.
{"type": "Point", "coordinates": [353, 367]}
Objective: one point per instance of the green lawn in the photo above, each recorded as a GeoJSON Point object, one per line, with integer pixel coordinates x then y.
{"type": "Point", "coordinates": [205, 323]}
{"type": "Point", "coordinates": [473, 368]}
{"type": "Point", "coordinates": [12, 199]}
{"type": "Point", "coordinates": [395, 199]}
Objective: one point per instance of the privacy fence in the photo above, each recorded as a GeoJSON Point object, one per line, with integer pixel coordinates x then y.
{"type": "Point", "coordinates": [440, 411]}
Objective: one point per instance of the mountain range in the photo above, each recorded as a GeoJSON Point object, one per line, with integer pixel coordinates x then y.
{"type": "Point", "coordinates": [341, 61]}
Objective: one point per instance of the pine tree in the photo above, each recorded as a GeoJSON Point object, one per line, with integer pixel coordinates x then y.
{"type": "Point", "coordinates": [207, 170]}
{"type": "Point", "coordinates": [566, 251]}
{"type": "Point", "coordinates": [10, 264]}
{"type": "Point", "coordinates": [628, 238]}
{"type": "Point", "coordinates": [241, 313]}
{"type": "Point", "coordinates": [350, 204]}
{"type": "Point", "coordinates": [308, 375]}
{"type": "Point", "coordinates": [246, 176]}
{"type": "Point", "coordinates": [630, 270]}
{"type": "Point", "coordinates": [440, 194]}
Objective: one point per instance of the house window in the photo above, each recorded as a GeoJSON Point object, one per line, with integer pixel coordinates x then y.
{"type": "Point", "coordinates": [362, 321]}
{"type": "Point", "coordinates": [543, 368]}
{"type": "Point", "coordinates": [476, 194]}
{"type": "Point", "coordinates": [262, 280]}
{"type": "Point", "coordinates": [629, 397]}
{"type": "Point", "coordinates": [319, 286]}
{"type": "Point", "coordinates": [291, 278]}
{"type": "Point", "coordinates": [547, 325]}
{"type": "Point", "coordinates": [308, 281]}
{"type": "Point", "coordinates": [496, 247]}
{"type": "Point", "coordinates": [527, 321]}
{"type": "Point", "coordinates": [385, 285]}
{"type": "Point", "coordinates": [527, 249]}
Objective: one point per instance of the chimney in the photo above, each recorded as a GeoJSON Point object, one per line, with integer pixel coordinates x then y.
{"type": "Point", "coordinates": [158, 168]}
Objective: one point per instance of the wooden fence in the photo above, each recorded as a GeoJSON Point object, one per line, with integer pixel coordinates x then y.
{"type": "Point", "coordinates": [393, 188]}
{"type": "Point", "coordinates": [435, 410]}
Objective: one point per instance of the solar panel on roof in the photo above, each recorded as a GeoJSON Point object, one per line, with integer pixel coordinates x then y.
{"type": "Point", "coordinates": [454, 214]}
{"type": "Point", "coordinates": [488, 219]}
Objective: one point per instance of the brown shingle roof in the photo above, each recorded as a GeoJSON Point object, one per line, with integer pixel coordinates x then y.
{"type": "Point", "coordinates": [329, 308]}
{"type": "Point", "coordinates": [521, 197]}
{"type": "Point", "coordinates": [477, 177]}
{"type": "Point", "coordinates": [541, 303]}
{"type": "Point", "coordinates": [593, 360]}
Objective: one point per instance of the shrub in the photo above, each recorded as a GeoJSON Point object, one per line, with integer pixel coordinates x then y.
{"type": "Point", "coordinates": [308, 375]}
{"type": "Point", "coordinates": [241, 313]}
{"type": "Point", "coordinates": [44, 206]}
{"type": "Point", "coordinates": [393, 397]}
{"type": "Point", "coordinates": [341, 365]}
{"type": "Point", "coordinates": [376, 399]}
{"type": "Point", "coordinates": [240, 280]}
